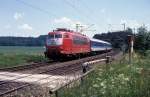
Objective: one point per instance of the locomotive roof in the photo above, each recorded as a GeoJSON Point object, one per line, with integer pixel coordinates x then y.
{"type": "Point", "coordinates": [98, 40]}
{"type": "Point", "coordinates": [63, 30]}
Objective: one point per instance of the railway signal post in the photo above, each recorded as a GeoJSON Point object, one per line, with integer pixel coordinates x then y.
{"type": "Point", "coordinates": [131, 43]}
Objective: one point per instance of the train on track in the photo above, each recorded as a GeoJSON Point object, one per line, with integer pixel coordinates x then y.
{"type": "Point", "coordinates": [62, 43]}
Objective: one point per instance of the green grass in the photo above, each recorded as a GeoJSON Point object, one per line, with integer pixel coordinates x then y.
{"type": "Point", "coordinates": [13, 55]}
{"type": "Point", "coordinates": [21, 50]}
{"type": "Point", "coordinates": [120, 80]}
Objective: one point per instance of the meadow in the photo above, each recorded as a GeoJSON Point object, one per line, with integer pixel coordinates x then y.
{"type": "Point", "coordinates": [119, 80]}
{"type": "Point", "coordinates": [18, 55]}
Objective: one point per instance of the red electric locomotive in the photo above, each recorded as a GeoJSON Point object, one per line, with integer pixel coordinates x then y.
{"type": "Point", "coordinates": [63, 43]}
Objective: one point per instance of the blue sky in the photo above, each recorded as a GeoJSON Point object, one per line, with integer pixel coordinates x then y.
{"type": "Point", "coordinates": [38, 17]}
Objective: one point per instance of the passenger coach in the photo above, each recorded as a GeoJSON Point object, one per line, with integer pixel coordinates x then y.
{"type": "Point", "coordinates": [99, 45]}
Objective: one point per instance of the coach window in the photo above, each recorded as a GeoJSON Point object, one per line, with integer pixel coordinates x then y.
{"type": "Point", "coordinates": [99, 44]}
{"type": "Point", "coordinates": [93, 43]}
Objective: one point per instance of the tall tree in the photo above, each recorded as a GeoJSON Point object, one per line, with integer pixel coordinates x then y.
{"type": "Point", "coordinates": [142, 40]}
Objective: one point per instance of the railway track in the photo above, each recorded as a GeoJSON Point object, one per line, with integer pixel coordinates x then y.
{"type": "Point", "coordinates": [51, 71]}
{"type": "Point", "coordinates": [23, 67]}
{"type": "Point", "coordinates": [9, 86]}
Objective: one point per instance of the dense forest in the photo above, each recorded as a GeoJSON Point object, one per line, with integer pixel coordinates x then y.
{"type": "Point", "coordinates": [23, 41]}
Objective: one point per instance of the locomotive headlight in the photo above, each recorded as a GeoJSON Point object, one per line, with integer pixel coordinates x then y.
{"type": "Point", "coordinates": [48, 42]}
{"type": "Point", "coordinates": [45, 48]}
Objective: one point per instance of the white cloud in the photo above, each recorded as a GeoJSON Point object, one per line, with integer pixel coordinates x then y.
{"type": "Point", "coordinates": [66, 22]}
{"type": "Point", "coordinates": [18, 16]}
{"type": "Point", "coordinates": [25, 27]}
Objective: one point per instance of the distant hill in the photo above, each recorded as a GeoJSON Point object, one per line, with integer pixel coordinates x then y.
{"type": "Point", "coordinates": [23, 41]}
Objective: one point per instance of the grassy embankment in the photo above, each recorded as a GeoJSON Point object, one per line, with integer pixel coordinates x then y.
{"type": "Point", "coordinates": [120, 80]}
{"type": "Point", "coordinates": [14, 56]}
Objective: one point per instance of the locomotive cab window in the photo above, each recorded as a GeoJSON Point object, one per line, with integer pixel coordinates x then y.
{"type": "Point", "coordinates": [58, 36]}
{"type": "Point", "coordinates": [51, 36]}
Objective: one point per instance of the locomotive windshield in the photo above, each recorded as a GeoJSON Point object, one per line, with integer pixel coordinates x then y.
{"type": "Point", "coordinates": [58, 36]}
{"type": "Point", "coordinates": [52, 36]}
{"type": "Point", "coordinates": [54, 39]}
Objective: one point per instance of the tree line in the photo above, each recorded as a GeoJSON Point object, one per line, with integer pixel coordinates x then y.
{"type": "Point", "coordinates": [119, 39]}
{"type": "Point", "coordinates": [142, 40]}
{"type": "Point", "coordinates": [23, 41]}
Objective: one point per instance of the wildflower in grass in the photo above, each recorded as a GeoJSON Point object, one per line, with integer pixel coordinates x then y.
{"type": "Point", "coordinates": [100, 69]}
{"type": "Point", "coordinates": [121, 78]}
{"type": "Point", "coordinates": [100, 74]}
{"type": "Point", "coordinates": [111, 69]}
{"type": "Point", "coordinates": [99, 79]}
{"type": "Point", "coordinates": [103, 84]}
{"type": "Point", "coordinates": [112, 80]}
{"type": "Point", "coordinates": [103, 91]}
{"type": "Point", "coordinates": [128, 66]}
{"type": "Point", "coordinates": [126, 79]}
{"type": "Point", "coordinates": [96, 86]}
{"type": "Point", "coordinates": [121, 75]}
{"type": "Point", "coordinates": [139, 70]}
{"type": "Point", "coordinates": [94, 96]}
{"type": "Point", "coordinates": [83, 95]}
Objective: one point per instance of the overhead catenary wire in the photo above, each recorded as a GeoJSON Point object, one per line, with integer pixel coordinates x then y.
{"type": "Point", "coordinates": [90, 11]}
{"type": "Point", "coordinates": [78, 11]}
{"type": "Point", "coordinates": [36, 8]}
{"type": "Point", "coordinates": [87, 16]}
